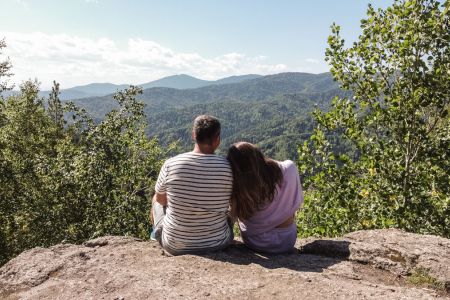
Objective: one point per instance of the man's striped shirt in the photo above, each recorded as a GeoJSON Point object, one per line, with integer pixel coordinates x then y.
{"type": "Point", "coordinates": [198, 188]}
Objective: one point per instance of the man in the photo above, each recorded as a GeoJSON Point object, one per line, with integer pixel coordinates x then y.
{"type": "Point", "coordinates": [192, 194]}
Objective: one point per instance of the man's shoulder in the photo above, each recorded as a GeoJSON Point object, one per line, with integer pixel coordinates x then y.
{"type": "Point", "coordinates": [177, 157]}
{"type": "Point", "coordinates": [199, 158]}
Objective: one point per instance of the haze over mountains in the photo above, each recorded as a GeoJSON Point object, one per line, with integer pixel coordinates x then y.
{"type": "Point", "coordinates": [184, 81]}
{"type": "Point", "coordinates": [272, 111]}
{"type": "Point", "coordinates": [181, 81]}
{"type": "Point", "coordinates": [258, 89]}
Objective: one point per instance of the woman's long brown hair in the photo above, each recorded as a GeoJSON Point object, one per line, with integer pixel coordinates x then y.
{"type": "Point", "coordinates": [255, 178]}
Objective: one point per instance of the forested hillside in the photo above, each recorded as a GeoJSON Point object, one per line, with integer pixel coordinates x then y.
{"type": "Point", "coordinates": [259, 89]}
{"type": "Point", "coordinates": [273, 111]}
{"type": "Point", "coordinates": [277, 126]}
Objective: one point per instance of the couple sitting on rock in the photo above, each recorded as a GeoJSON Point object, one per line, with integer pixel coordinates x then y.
{"type": "Point", "coordinates": [198, 195]}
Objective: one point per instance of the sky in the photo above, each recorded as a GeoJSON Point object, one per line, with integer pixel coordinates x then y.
{"type": "Point", "coordinates": [77, 42]}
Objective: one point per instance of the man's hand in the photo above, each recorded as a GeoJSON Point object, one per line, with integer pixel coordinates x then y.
{"type": "Point", "coordinates": [160, 198]}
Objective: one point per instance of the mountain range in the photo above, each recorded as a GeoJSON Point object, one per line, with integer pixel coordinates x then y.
{"type": "Point", "coordinates": [181, 81]}
{"type": "Point", "coordinates": [184, 81]}
{"type": "Point", "coordinates": [272, 111]}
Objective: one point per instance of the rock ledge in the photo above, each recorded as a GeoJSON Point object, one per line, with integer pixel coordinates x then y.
{"type": "Point", "coordinates": [364, 264]}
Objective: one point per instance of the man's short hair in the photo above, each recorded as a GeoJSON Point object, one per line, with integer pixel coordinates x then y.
{"type": "Point", "coordinates": [206, 129]}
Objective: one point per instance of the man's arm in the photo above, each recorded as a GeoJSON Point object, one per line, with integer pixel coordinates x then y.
{"type": "Point", "coordinates": [160, 195]}
{"type": "Point", "coordinates": [161, 198]}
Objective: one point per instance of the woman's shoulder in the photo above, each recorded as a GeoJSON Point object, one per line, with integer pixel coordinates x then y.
{"type": "Point", "coordinates": [288, 166]}
{"type": "Point", "coordinates": [290, 171]}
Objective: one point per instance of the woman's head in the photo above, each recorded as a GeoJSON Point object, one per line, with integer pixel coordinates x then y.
{"type": "Point", "coordinates": [255, 178]}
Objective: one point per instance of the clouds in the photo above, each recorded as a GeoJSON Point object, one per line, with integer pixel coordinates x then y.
{"type": "Point", "coordinates": [24, 4]}
{"type": "Point", "coordinates": [73, 60]}
{"type": "Point", "coordinates": [312, 60]}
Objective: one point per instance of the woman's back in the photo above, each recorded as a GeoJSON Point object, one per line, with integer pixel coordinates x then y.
{"type": "Point", "coordinates": [260, 231]}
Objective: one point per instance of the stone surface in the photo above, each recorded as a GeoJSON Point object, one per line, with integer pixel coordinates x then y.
{"type": "Point", "coordinates": [360, 265]}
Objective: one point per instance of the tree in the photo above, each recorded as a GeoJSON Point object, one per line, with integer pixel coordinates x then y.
{"type": "Point", "coordinates": [5, 67]}
{"type": "Point", "coordinates": [71, 182]}
{"type": "Point", "coordinates": [55, 108]}
{"type": "Point", "coordinates": [397, 122]}
{"type": "Point", "coordinates": [5, 168]}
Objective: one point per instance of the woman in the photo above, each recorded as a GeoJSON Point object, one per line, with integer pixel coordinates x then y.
{"type": "Point", "coordinates": [266, 195]}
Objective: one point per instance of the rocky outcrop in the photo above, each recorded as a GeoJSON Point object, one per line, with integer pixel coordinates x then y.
{"type": "Point", "coordinates": [365, 264]}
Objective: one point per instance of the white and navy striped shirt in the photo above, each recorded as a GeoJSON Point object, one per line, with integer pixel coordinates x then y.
{"type": "Point", "coordinates": [198, 188]}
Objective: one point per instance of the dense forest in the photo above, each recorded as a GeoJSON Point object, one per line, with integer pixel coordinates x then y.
{"type": "Point", "coordinates": [371, 139]}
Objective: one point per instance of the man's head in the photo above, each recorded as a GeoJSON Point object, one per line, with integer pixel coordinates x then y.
{"type": "Point", "coordinates": [206, 132]}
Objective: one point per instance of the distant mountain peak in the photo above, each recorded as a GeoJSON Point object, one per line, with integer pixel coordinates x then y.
{"type": "Point", "coordinates": [176, 81]}
{"type": "Point", "coordinates": [184, 81]}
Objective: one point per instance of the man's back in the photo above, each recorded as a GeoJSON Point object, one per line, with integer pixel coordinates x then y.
{"type": "Point", "coordinates": [198, 188]}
